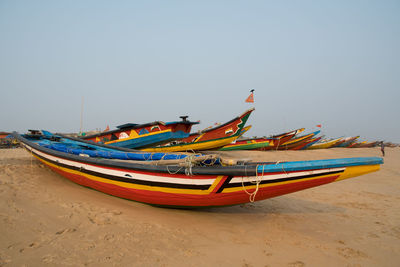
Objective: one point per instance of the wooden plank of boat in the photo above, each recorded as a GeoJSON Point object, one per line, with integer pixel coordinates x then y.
{"type": "Point", "coordinates": [196, 186]}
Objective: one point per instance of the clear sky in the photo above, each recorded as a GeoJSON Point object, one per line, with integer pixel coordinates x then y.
{"type": "Point", "coordinates": [335, 63]}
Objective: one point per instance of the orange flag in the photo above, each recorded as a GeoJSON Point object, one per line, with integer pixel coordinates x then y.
{"type": "Point", "coordinates": [250, 98]}
{"type": "Point", "coordinates": [319, 125]}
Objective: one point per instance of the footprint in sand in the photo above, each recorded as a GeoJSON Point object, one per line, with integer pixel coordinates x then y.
{"type": "Point", "coordinates": [296, 264]}
{"type": "Point", "coordinates": [351, 253]}
{"type": "Point", "coordinates": [48, 258]}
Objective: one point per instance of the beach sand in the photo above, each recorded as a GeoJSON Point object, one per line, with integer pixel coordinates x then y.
{"type": "Point", "coordinates": [46, 220]}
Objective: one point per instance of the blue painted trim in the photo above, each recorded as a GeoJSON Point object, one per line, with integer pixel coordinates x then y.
{"type": "Point", "coordinates": [151, 139]}
{"type": "Point", "coordinates": [318, 164]}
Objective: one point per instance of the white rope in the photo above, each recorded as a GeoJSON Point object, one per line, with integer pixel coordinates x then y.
{"type": "Point", "coordinates": [257, 182]}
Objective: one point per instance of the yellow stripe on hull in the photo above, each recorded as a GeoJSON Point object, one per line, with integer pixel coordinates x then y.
{"type": "Point", "coordinates": [206, 145]}
{"type": "Point", "coordinates": [357, 171]}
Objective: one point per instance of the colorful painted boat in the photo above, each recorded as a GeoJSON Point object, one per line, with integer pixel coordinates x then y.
{"type": "Point", "coordinates": [357, 144]}
{"type": "Point", "coordinates": [347, 141]}
{"type": "Point", "coordinates": [295, 132]}
{"type": "Point", "coordinates": [325, 144]}
{"type": "Point", "coordinates": [248, 144]}
{"type": "Point", "coordinates": [368, 144]}
{"type": "Point", "coordinates": [277, 140]}
{"type": "Point", "coordinates": [296, 142]}
{"type": "Point", "coordinates": [208, 139]}
{"type": "Point", "coordinates": [131, 135]}
{"type": "Point", "coordinates": [309, 143]}
{"type": "Point", "coordinates": [4, 134]}
{"type": "Point", "coordinates": [187, 183]}
{"type": "Point", "coordinates": [261, 143]}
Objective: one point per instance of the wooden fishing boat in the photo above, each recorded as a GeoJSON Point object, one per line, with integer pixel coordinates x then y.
{"type": "Point", "coordinates": [277, 140]}
{"type": "Point", "coordinates": [248, 144]}
{"type": "Point", "coordinates": [295, 132]}
{"type": "Point", "coordinates": [357, 144]}
{"type": "Point", "coordinates": [4, 134]}
{"type": "Point", "coordinates": [298, 141]}
{"type": "Point", "coordinates": [208, 139]}
{"type": "Point", "coordinates": [131, 135]}
{"type": "Point", "coordinates": [304, 143]}
{"type": "Point", "coordinates": [308, 143]}
{"type": "Point", "coordinates": [348, 141]}
{"type": "Point", "coordinates": [368, 144]}
{"type": "Point", "coordinates": [261, 143]}
{"type": "Point", "coordinates": [325, 144]}
{"type": "Point", "coordinates": [184, 180]}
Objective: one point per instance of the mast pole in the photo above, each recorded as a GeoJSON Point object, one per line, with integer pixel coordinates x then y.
{"type": "Point", "coordinates": [80, 132]}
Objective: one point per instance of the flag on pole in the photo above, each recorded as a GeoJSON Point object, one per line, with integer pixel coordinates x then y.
{"type": "Point", "coordinates": [250, 98]}
{"type": "Point", "coordinates": [319, 125]}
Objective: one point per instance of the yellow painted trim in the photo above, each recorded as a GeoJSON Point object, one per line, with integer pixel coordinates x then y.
{"type": "Point", "coordinates": [137, 136]}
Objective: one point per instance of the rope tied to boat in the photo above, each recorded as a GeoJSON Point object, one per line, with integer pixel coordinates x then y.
{"type": "Point", "coordinates": [188, 163]}
{"type": "Point", "coordinates": [283, 169]}
{"type": "Point", "coordinates": [257, 181]}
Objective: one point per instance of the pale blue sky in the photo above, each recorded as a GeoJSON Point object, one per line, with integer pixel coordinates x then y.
{"type": "Point", "coordinates": [335, 63]}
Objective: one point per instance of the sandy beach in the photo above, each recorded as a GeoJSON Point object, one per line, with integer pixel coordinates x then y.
{"type": "Point", "coordinates": [46, 220]}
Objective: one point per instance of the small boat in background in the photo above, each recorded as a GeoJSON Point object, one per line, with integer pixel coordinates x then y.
{"type": "Point", "coordinates": [366, 144]}
{"type": "Point", "coordinates": [309, 143]}
{"type": "Point", "coordinates": [208, 139]}
{"type": "Point", "coordinates": [277, 140]}
{"type": "Point", "coordinates": [249, 144]}
{"type": "Point", "coordinates": [347, 141]}
{"type": "Point", "coordinates": [325, 144]}
{"type": "Point", "coordinates": [131, 135]}
{"type": "Point", "coordinates": [296, 142]}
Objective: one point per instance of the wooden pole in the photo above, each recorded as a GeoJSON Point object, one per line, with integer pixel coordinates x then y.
{"type": "Point", "coordinates": [80, 132]}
